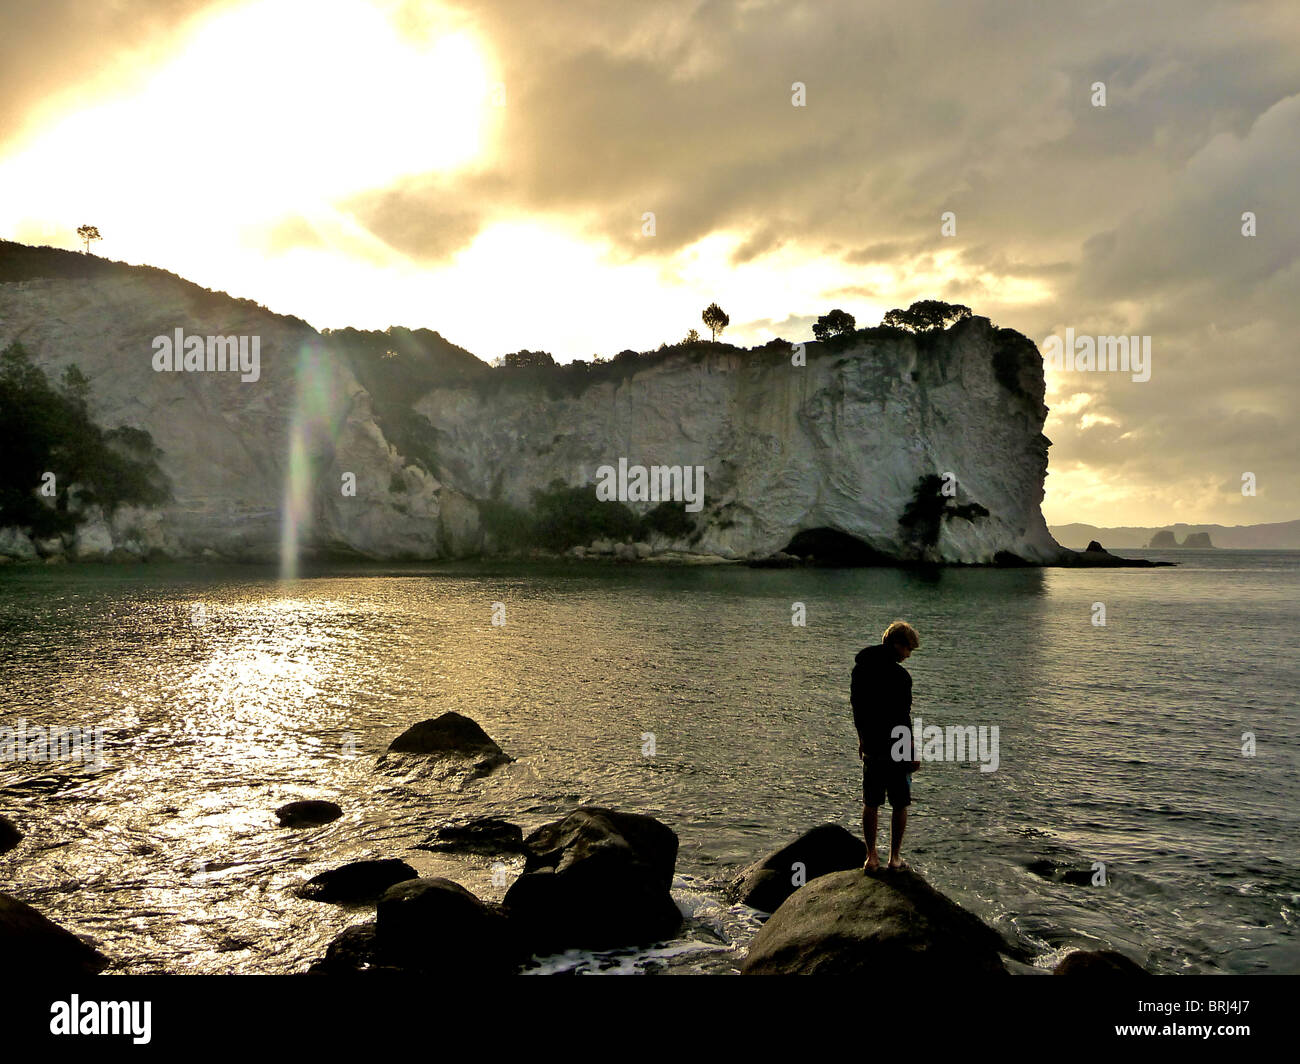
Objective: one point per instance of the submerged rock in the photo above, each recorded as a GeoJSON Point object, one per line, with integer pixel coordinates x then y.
{"type": "Point", "coordinates": [892, 925]}
{"type": "Point", "coordinates": [451, 735]}
{"type": "Point", "coordinates": [308, 814]}
{"type": "Point", "coordinates": [767, 883]}
{"type": "Point", "coordinates": [33, 947]}
{"type": "Point", "coordinates": [1062, 873]}
{"type": "Point", "coordinates": [10, 836]}
{"type": "Point", "coordinates": [1098, 962]}
{"type": "Point", "coordinates": [485, 835]}
{"type": "Point", "coordinates": [597, 879]}
{"type": "Point", "coordinates": [356, 883]}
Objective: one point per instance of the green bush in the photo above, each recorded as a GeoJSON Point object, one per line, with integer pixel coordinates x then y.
{"type": "Point", "coordinates": [44, 429]}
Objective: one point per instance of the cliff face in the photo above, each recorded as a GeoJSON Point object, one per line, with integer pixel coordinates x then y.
{"type": "Point", "coordinates": [839, 443]}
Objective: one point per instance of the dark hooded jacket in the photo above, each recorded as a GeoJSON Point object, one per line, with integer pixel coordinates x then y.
{"type": "Point", "coordinates": [881, 693]}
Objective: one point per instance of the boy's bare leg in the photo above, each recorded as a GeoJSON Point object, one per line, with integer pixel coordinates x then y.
{"type": "Point", "coordinates": [897, 826]}
{"type": "Point", "coordinates": [869, 823]}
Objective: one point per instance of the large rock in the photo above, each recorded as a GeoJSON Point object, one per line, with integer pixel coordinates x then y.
{"type": "Point", "coordinates": [356, 883]}
{"type": "Point", "coordinates": [890, 925]}
{"type": "Point", "coordinates": [767, 883]}
{"type": "Point", "coordinates": [435, 925]}
{"type": "Point", "coordinates": [308, 814]}
{"type": "Point", "coordinates": [14, 543]}
{"type": "Point", "coordinates": [32, 947]}
{"type": "Point", "coordinates": [597, 879]}
{"type": "Point", "coordinates": [483, 835]}
{"type": "Point", "coordinates": [353, 952]}
{"type": "Point", "coordinates": [1098, 962]}
{"type": "Point", "coordinates": [451, 735]}
{"type": "Point", "coordinates": [10, 836]}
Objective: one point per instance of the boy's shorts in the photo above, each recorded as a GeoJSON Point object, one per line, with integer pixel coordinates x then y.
{"type": "Point", "coordinates": [883, 777]}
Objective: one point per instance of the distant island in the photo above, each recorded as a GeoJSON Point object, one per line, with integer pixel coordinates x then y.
{"type": "Point", "coordinates": [1166, 540]}
{"type": "Point", "coordinates": [1281, 535]}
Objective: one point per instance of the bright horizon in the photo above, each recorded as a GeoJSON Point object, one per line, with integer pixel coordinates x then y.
{"type": "Point", "coordinates": [486, 174]}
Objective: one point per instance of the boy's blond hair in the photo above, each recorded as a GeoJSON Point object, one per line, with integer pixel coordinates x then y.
{"type": "Point", "coordinates": [901, 632]}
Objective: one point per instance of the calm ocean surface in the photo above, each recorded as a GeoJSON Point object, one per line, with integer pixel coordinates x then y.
{"type": "Point", "coordinates": [1119, 744]}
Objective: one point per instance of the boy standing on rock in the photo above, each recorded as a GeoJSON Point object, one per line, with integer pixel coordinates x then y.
{"type": "Point", "coordinates": [881, 694]}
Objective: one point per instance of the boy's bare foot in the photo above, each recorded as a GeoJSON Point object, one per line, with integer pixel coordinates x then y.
{"type": "Point", "coordinates": [871, 864]}
{"type": "Point", "coordinates": [897, 864]}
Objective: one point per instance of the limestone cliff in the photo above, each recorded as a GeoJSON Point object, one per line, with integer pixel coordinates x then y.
{"type": "Point", "coordinates": [839, 443]}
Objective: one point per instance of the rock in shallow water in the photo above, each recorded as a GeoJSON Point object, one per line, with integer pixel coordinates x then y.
{"type": "Point", "coordinates": [1098, 962]}
{"type": "Point", "coordinates": [892, 924]}
{"type": "Point", "coordinates": [484, 835]}
{"type": "Point", "coordinates": [33, 947]}
{"type": "Point", "coordinates": [597, 879]}
{"type": "Point", "coordinates": [451, 735]}
{"type": "Point", "coordinates": [10, 836]}
{"type": "Point", "coordinates": [356, 883]}
{"type": "Point", "coordinates": [308, 814]}
{"type": "Point", "coordinates": [767, 883]}
{"type": "Point", "coordinates": [435, 925]}
{"type": "Point", "coordinates": [427, 927]}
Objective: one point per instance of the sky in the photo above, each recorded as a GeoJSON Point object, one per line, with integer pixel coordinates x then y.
{"type": "Point", "coordinates": [586, 177]}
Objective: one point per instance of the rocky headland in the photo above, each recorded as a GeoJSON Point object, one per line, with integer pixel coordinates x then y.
{"type": "Point", "coordinates": [881, 446]}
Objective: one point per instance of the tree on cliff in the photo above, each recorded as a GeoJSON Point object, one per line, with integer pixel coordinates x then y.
{"type": "Point", "coordinates": [926, 315]}
{"type": "Point", "coordinates": [715, 318]}
{"type": "Point", "coordinates": [836, 323]}
{"type": "Point", "coordinates": [88, 233]}
{"type": "Point", "coordinates": [529, 358]}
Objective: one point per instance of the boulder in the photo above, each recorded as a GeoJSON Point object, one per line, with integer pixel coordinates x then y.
{"type": "Point", "coordinates": [485, 835]}
{"type": "Point", "coordinates": [32, 947]}
{"type": "Point", "coordinates": [10, 836]}
{"type": "Point", "coordinates": [356, 883]}
{"type": "Point", "coordinates": [92, 541]}
{"type": "Point", "coordinates": [597, 879]}
{"type": "Point", "coordinates": [437, 926]}
{"type": "Point", "coordinates": [14, 543]}
{"type": "Point", "coordinates": [1094, 547]}
{"type": "Point", "coordinates": [767, 883]}
{"type": "Point", "coordinates": [451, 735]}
{"type": "Point", "coordinates": [889, 925]}
{"type": "Point", "coordinates": [1098, 962]}
{"type": "Point", "coordinates": [49, 547]}
{"type": "Point", "coordinates": [354, 952]}
{"type": "Point", "coordinates": [307, 814]}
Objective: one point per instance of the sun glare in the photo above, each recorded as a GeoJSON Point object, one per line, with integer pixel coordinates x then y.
{"type": "Point", "coordinates": [268, 108]}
